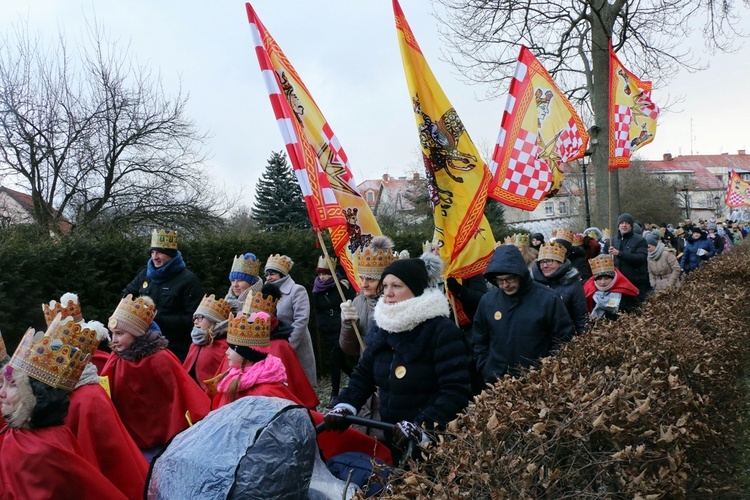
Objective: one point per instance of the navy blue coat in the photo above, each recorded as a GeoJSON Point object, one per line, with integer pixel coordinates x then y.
{"type": "Point", "coordinates": [690, 259]}
{"type": "Point", "coordinates": [512, 331]}
{"type": "Point", "coordinates": [567, 283]}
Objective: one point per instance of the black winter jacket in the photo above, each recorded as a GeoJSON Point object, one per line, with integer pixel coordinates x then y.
{"type": "Point", "coordinates": [422, 372]}
{"type": "Point", "coordinates": [512, 331]}
{"type": "Point", "coordinates": [567, 284]}
{"type": "Point", "coordinates": [176, 300]}
{"type": "Point", "coordinates": [632, 260]}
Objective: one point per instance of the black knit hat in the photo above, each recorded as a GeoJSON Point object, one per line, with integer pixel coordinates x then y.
{"type": "Point", "coordinates": [166, 251]}
{"type": "Point", "coordinates": [626, 218]}
{"type": "Point", "coordinates": [412, 272]}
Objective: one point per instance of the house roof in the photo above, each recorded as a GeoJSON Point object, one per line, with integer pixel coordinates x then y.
{"type": "Point", "coordinates": [699, 166]}
{"type": "Point", "coordinates": [27, 203]}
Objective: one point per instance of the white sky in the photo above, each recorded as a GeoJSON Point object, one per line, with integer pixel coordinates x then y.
{"type": "Point", "coordinates": [346, 52]}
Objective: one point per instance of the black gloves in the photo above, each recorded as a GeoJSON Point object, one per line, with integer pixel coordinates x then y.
{"type": "Point", "coordinates": [334, 419]}
{"type": "Point", "coordinates": [406, 431]}
{"type": "Point", "coordinates": [454, 286]}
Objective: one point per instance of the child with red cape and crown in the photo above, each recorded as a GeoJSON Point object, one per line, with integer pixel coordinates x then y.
{"type": "Point", "coordinates": [255, 371]}
{"type": "Point", "coordinates": [40, 457]}
{"type": "Point", "coordinates": [154, 395]}
{"type": "Point", "coordinates": [209, 346]}
{"type": "Point", "coordinates": [265, 301]}
{"type": "Point", "coordinates": [92, 418]}
{"type": "Point", "coordinates": [608, 290]}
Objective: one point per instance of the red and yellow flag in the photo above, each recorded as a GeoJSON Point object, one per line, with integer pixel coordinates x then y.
{"type": "Point", "coordinates": [632, 122]}
{"type": "Point", "coordinates": [319, 161]}
{"type": "Point", "coordinates": [458, 178]}
{"type": "Point", "coordinates": [539, 130]}
{"type": "Point", "coordinates": [738, 192]}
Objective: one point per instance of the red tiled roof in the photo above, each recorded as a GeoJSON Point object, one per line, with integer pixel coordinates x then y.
{"type": "Point", "coordinates": [22, 199]}
{"type": "Point", "coordinates": [697, 164]}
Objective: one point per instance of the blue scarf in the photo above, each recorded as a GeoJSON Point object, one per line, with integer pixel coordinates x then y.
{"type": "Point", "coordinates": [168, 270]}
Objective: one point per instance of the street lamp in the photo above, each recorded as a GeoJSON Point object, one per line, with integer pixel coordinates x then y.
{"type": "Point", "coordinates": [717, 205]}
{"type": "Point", "coordinates": [587, 154]}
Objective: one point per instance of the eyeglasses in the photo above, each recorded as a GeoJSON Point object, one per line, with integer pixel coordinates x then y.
{"type": "Point", "coordinates": [508, 280]}
{"type": "Point", "coordinates": [198, 317]}
{"type": "Point", "coordinates": [546, 262]}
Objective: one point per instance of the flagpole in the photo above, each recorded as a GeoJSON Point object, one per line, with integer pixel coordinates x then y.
{"type": "Point", "coordinates": [332, 268]}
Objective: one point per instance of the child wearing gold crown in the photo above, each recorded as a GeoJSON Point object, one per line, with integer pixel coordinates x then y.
{"type": "Point", "coordinates": [608, 289]}
{"type": "Point", "coordinates": [209, 339]}
{"type": "Point", "coordinates": [150, 389]}
{"type": "Point", "coordinates": [40, 457]}
{"type": "Point", "coordinates": [243, 279]}
{"type": "Point", "coordinates": [253, 371]}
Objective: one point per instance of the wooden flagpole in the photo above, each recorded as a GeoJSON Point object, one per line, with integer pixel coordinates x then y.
{"type": "Point", "coordinates": [332, 267]}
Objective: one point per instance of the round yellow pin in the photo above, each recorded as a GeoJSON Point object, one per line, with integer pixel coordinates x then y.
{"type": "Point", "coordinates": [145, 284]}
{"type": "Point", "coordinates": [400, 372]}
{"type": "Point", "coordinates": [498, 315]}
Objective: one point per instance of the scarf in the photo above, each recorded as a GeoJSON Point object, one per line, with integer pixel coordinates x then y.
{"type": "Point", "coordinates": [168, 270]}
{"type": "Point", "coordinates": [657, 251]}
{"type": "Point", "coordinates": [202, 337]}
{"type": "Point", "coordinates": [147, 344]}
{"type": "Point", "coordinates": [405, 315]}
{"type": "Point", "coordinates": [606, 302]}
{"type": "Point", "coordinates": [268, 371]}
{"type": "Point", "coordinates": [608, 287]}
{"type": "Point", "coordinates": [322, 285]}
{"type": "Point", "coordinates": [89, 376]}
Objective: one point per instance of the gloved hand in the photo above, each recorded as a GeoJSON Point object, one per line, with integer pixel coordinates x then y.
{"type": "Point", "coordinates": [334, 419]}
{"type": "Point", "coordinates": [406, 431]}
{"type": "Point", "coordinates": [348, 312]}
{"type": "Point", "coordinates": [454, 286]}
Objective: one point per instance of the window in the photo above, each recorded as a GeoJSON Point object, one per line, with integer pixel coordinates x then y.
{"type": "Point", "coordinates": [549, 208]}
{"type": "Point", "coordinates": [370, 197]}
{"type": "Point", "coordinates": [562, 207]}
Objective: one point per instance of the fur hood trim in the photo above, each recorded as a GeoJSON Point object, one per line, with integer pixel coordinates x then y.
{"type": "Point", "coordinates": [149, 343]}
{"type": "Point", "coordinates": [407, 314]}
{"type": "Point", "coordinates": [20, 417]}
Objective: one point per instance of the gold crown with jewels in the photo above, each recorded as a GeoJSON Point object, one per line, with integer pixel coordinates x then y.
{"type": "Point", "coordinates": [164, 239]}
{"type": "Point", "coordinates": [245, 265]}
{"type": "Point", "coordinates": [257, 302]}
{"type": "Point", "coordinates": [3, 349]}
{"type": "Point", "coordinates": [256, 334]}
{"type": "Point", "coordinates": [563, 234]}
{"type": "Point", "coordinates": [602, 263]}
{"type": "Point", "coordinates": [371, 263]}
{"type": "Point", "coordinates": [577, 240]}
{"type": "Point", "coordinates": [57, 357]}
{"type": "Point", "coordinates": [133, 315]}
{"type": "Point", "coordinates": [68, 306]}
{"type": "Point", "coordinates": [216, 310]}
{"type": "Point", "coordinates": [521, 240]}
{"type": "Point", "coordinates": [322, 264]}
{"type": "Point", "coordinates": [552, 251]}
{"type": "Point", "coordinates": [280, 263]}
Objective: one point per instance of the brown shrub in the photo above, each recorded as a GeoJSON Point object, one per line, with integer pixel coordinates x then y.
{"type": "Point", "coordinates": [644, 407]}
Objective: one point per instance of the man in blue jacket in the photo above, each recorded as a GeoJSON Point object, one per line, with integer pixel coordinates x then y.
{"type": "Point", "coordinates": [518, 322]}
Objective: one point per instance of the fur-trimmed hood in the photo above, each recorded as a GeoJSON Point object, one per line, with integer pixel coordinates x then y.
{"type": "Point", "coordinates": [149, 343]}
{"type": "Point", "coordinates": [20, 416]}
{"type": "Point", "coordinates": [405, 315]}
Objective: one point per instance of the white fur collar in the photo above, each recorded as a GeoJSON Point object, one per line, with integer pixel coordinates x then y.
{"type": "Point", "coordinates": [89, 376]}
{"type": "Point", "coordinates": [20, 416]}
{"type": "Point", "coordinates": [405, 315]}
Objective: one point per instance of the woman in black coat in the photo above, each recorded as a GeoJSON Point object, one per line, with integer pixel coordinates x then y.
{"type": "Point", "coordinates": [415, 355]}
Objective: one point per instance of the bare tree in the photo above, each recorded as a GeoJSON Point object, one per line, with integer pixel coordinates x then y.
{"type": "Point", "coordinates": [572, 40]}
{"type": "Point", "coordinates": [93, 137]}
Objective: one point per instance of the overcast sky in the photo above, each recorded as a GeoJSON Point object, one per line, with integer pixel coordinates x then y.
{"type": "Point", "coordinates": [347, 54]}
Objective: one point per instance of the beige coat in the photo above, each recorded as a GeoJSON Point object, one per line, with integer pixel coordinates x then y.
{"type": "Point", "coordinates": [664, 272]}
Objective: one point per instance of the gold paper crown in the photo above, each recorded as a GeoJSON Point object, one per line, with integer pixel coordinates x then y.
{"type": "Point", "coordinates": [563, 234]}
{"type": "Point", "coordinates": [521, 240]}
{"type": "Point", "coordinates": [373, 262]}
{"type": "Point", "coordinates": [322, 264]}
{"type": "Point", "coordinates": [257, 302]}
{"type": "Point", "coordinates": [72, 309]}
{"type": "Point", "coordinates": [214, 309]}
{"type": "Point", "coordinates": [133, 315]}
{"type": "Point", "coordinates": [244, 265]}
{"type": "Point", "coordinates": [3, 350]}
{"type": "Point", "coordinates": [552, 251]}
{"type": "Point", "coordinates": [280, 263]}
{"type": "Point", "coordinates": [602, 263]}
{"type": "Point", "coordinates": [240, 331]}
{"type": "Point", "coordinates": [58, 357]}
{"type": "Point", "coordinates": [577, 240]}
{"type": "Point", "coordinates": [164, 239]}
{"type": "Point", "coordinates": [606, 233]}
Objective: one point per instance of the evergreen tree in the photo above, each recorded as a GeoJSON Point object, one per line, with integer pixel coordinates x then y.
{"type": "Point", "coordinates": [278, 198]}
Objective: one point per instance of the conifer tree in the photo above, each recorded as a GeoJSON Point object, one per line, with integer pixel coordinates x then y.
{"type": "Point", "coordinates": [278, 198]}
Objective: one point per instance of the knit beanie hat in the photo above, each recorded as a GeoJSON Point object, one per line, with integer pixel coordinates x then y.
{"type": "Point", "coordinates": [626, 218]}
{"type": "Point", "coordinates": [412, 272]}
{"type": "Point", "coordinates": [245, 267]}
{"type": "Point", "coordinates": [651, 239]}
{"type": "Point", "coordinates": [537, 236]}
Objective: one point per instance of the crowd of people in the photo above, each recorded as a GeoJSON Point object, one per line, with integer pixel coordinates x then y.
{"type": "Point", "coordinates": [415, 347]}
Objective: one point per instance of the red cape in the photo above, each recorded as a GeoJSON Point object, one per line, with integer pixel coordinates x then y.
{"type": "Point", "coordinates": [152, 395]}
{"type": "Point", "coordinates": [205, 360]}
{"type": "Point", "coordinates": [622, 285]}
{"type": "Point", "coordinates": [296, 379]}
{"type": "Point", "coordinates": [99, 359]}
{"type": "Point", "coordinates": [104, 441]}
{"type": "Point", "coordinates": [46, 463]}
